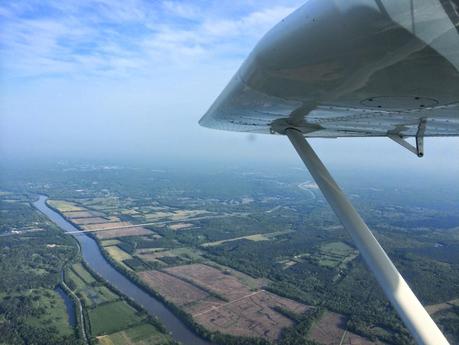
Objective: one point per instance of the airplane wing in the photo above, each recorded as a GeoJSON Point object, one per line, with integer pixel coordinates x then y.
{"type": "Point", "coordinates": [350, 69]}
{"type": "Point", "coordinates": [354, 68]}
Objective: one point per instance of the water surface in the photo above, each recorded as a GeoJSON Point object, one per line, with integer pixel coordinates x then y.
{"type": "Point", "coordinates": [96, 261]}
{"type": "Point", "coordinates": [69, 305]}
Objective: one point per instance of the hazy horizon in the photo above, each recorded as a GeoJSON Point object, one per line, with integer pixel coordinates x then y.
{"type": "Point", "coordinates": [129, 80]}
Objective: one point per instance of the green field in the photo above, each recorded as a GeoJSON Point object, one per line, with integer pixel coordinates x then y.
{"type": "Point", "coordinates": [117, 253]}
{"type": "Point", "coordinates": [64, 206]}
{"type": "Point", "coordinates": [144, 334]}
{"type": "Point", "coordinates": [112, 317]}
{"type": "Point", "coordinates": [83, 273]}
{"type": "Point", "coordinates": [92, 296]}
{"type": "Point", "coordinates": [334, 254]}
{"type": "Point", "coordinates": [54, 313]}
{"type": "Point", "coordinates": [330, 255]}
{"type": "Point", "coordinates": [88, 290]}
{"type": "Point", "coordinates": [106, 243]}
{"type": "Point", "coordinates": [75, 282]}
{"type": "Point", "coordinates": [185, 252]}
{"type": "Point", "coordinates": [104, 203]}
{"type": "Point", "coordinates": [254, 238]}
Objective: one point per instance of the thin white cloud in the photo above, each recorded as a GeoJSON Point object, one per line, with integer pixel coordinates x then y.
{"type": "Point", "coordinates": [97, 37]}
{"type": "Point", "coordinates": [182, 10]}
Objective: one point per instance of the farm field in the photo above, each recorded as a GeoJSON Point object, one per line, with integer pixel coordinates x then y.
{"type": "Point", "coordinates": [81, 214]}
{"type": "Point", "coordinates": [176, 215]}
{"type": "Point", "coordinates": [117, 253]}
{"type": "Point", "coordinates": [123, 232]}
{"type": "Point", "coordinates": [74, 280]}
{"type": "Point", "coordinates": [335, 253]}
{"type": "Point", "coordinates": [95, 220]}
{"type": "Point", "coordinates": [180, 226]}
{"type": "Point", "coordinates": [331, 330]}
{"type": "Point", "coordinates": [221, 302]}
{"type": "Point", "coordinates": [183, 294]}
{"type": "Point", "coordinates": [240, 251]}
{"type": "Point", "coordinates": [143, 334]}
{"type": "Point", "coordinates": [212, 279]}
{"type": "Point", "coordinates": [106, 243]}
{"type": "Point", "coordinates": [112, 317]}
{"type": "Point", "coordinates": [255, 238]}
{"type": "Point", "coordinates": [88, 220]}
{"type": "Point", "coordinates": [329, 255]}
{"type": "Point", "coordinates": [53, 313]}
{"type": "Point", "coordinates": [65, 206]}
{"type": "Point", "coordinates": [105, 203]}
{"type": "Point", "coordinates": [85, 286]}
{"type": "Point", "coordinates": [92, 296]}
{"type": "Point", "coordinates": [251, 315]}
{"type": "Point", "coordinates": [83, 273]}
{"type": "Point", "coordinates": [107, 225]}
{"type": "Point", "coordinates": [155, 254]}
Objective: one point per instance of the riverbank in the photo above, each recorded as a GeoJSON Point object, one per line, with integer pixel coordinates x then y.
{"type": "Point", "coordinates": [98, 263]}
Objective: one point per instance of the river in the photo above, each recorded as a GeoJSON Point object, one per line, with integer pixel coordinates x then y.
{"type": "Point", "coordinates": [69, 305]}
{"type": "Point", "coordinates": [96, 261]}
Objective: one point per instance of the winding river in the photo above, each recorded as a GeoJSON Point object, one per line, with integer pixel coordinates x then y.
{"type": "Point", "coordinates": [95, 260]}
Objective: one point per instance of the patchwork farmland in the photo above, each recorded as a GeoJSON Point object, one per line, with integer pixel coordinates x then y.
{"type": "Point", "coordinates": [219, 301]}
{"type": "Point", "coordinates": [219, 298]}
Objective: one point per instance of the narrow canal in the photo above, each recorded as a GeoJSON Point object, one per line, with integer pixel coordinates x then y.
{"type": "Point", "coordinates": [96, 261]}
{"type": "Point", "coordinates": [69, 305]}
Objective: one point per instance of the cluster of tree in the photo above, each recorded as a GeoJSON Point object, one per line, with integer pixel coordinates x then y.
{"type": "Point", "coordinates": [17, 216]}
{"type": "Point", "coordinates": [216, 337]}
{"type": "Point", "coordinates": [26, 261]}
{"type": "Point", "coordinates": [28, 267]}
{"type": "Point", "coordinates": [433, 281]}
{"type": "Point", "coordinates": [297, 335]}
{"type": "Point", "coordinates": [451, 325]}
{"type": "Point", "coordinates": [313, 284]}
{"type": "Point", "coordinates": [14, 331]}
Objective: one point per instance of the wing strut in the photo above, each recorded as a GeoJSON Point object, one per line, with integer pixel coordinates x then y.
{"type": "Point", "coordinates": [418, 150]}
{"type": "Point", "coordinates": [411, 311]}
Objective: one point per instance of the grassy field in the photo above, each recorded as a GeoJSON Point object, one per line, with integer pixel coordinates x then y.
{"type": "Point", "coordinates": [112, 320]}
{"type": "Point", "coordinates": [54, 314]}
{"type": "Point", "coordinates": [104, 203]}
{"type": "Point", "coordinates": [83, 273]}
{"type": "Point", "coordinates": [117, 253]}
{"type": "Point", "coordinates": [250, 282]}
{"type": "Point", "coordinates": [255, 238]}
{"type": "Point", "coordinates": [220, 301]}
{"type": "Point", "coordinates": [129, 212]}
{"type": "Point", "coordinates": [107, 243]}
{"type": "Point", "coordinates": [65, 206]}
{"type": "Point", "coordinates": [76, 282]}
{"type": "Point", "coordinates": [331, 329]}
{"type": "Point", "coordinates": [93, 296]}
{"type": "Point", "coordinates": [112, 317]}
{"type": "Point", "coordinates": [144, 334]}
{"type": "Point", "coordinates": [335, 253]}
{"type": "Point", "coordinates": [185, 253]}
{"type": "Point", "coordinates": [87, 288]}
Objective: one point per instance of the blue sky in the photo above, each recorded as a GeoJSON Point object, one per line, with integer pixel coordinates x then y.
{"type": "Point", "coordinates": [131, 78]}
{"type": "Point", "coordinates": [130, 38]}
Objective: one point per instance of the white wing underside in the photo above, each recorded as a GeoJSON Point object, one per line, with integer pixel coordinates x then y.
{"type": "Point", "coordinates": [350, 69]}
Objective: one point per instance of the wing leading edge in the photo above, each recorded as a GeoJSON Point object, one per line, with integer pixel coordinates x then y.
{"type": "Point", "coordinates": [349, 69]}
